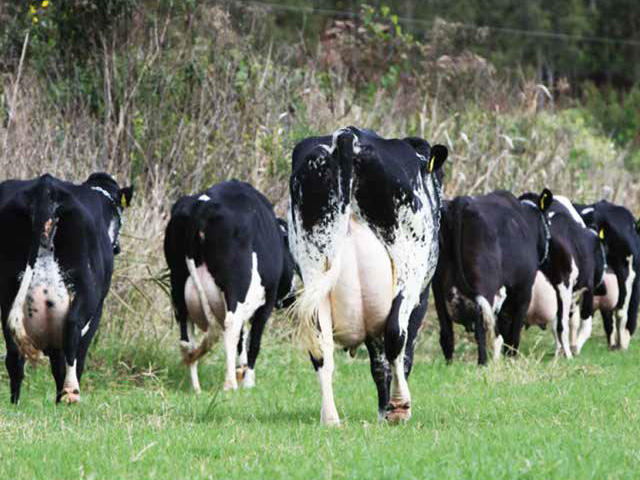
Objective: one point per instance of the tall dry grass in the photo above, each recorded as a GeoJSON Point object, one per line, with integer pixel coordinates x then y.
{"type": "Point", "coordinates": [180, 110]}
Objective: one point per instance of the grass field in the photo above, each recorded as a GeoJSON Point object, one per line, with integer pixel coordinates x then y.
{"type": "Point", "coordinates": [529, 418]}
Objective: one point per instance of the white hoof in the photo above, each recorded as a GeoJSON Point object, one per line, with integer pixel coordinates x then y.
{"type": "Point", "coordinates": [249, 379]}
{"type": "Point", "coordinates": [497, 348]}
{"type": "Point", "coordinates": [230, 385]}
{"type": "Point", "coordinates": [330, 421]}
{"type": "Point", "coordinates": [329, 417]}
{"type": "Point", "coordinates": [625, 338]}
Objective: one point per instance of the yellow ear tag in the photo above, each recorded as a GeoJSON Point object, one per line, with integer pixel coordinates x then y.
{"type": "Point", "coordinates": [542, 200]}
{"type": "Point", "coordinates": [601, 234]}
{"type": "Point", "coordinates": [123, 200]}
{"type": "Point", "coordinates": [431, 163]}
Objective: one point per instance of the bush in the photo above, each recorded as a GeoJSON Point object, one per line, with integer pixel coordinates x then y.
{"type": "Point", "coordinates": [618, 115]}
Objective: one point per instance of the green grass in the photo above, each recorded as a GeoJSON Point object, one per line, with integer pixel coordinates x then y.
{"type": "Point", "coordinates": [530, 418]}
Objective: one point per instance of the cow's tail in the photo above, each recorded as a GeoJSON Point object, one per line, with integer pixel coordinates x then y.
{"type": "Point", "coordinates": [191, 353]}
{"type": "Point", "coordinates": [457, 217]}
{"type": "Point", "coordinates": [634, 302]}
{"type": "Point", "coordinates": [43, 205]}
{"type": "Point", "coordinates": [316, 289]}
{"type": "Point", "coordinates": [320, 278]}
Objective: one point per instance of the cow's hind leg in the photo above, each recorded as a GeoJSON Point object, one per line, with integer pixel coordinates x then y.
{"type": "Point", "coordinates": [84, 306]}
{"type": "Point", "coordinates": [447, 339]}
{"type": "Point", "coordinates": [14, 363]}
{"type": "Point", "coordinates": [15, 367]}
{"type": "Point", "coordinates": [395, 339]}
{"type": "Point", "coordinates": [233, 324]}
{"type": "Point", "coordinates": [609, 327]}
{"type": "Point", "coordinates": [490, 327]}
{"type": "Point", "coordinates": [415, 322]}
{"type": "Point", "coordinates": [56, 360]}
{"type": "Point", "coordinates": [561, 322]}
{"type": "Point", "coordinates": [243, 345]}
{"type": "Point", "coordinates": [258, 323]}
{"type": "Point", "coordinates": [380, 372]}
{"type": "Point", "coordinates": [622, 313]}
{"type": "Point", "coordinates": [586, 323]}
{"type": "Point", "coordinates": [325, 365]}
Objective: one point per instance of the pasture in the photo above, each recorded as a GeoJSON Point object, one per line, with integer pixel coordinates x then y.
{"type": "Point", "coordinates": [534, 417]}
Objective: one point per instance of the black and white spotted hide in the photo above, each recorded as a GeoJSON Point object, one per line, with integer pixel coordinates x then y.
{"type": "Point", "coordinates": [351, 193]}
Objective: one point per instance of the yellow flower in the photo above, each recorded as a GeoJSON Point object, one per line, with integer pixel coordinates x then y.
{"type": "Point", "coordinates": [45, 4]}
{"type": "Point", "coordinates": [32, 9]}
{"type": "Point", "coordinates": [34, 19]}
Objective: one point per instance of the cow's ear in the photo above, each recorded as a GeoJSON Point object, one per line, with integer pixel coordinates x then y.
{"type": "Point", "coordinates": [638, 226]}
{"type": "Point", "coordinates": [602, 234]}
{"type": "Point", "coordinates": [420, 145]}
{"type": "Point", "coordinates": [545, 199]}
{"type": "Point", "coordinates": [125, 195]}
{"type": "Point", "coordinates": [439, 154]}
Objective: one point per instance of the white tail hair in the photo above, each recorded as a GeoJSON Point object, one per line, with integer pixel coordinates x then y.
{"type": "Point", "coordinates": [190, 353]}
{"type": "Point", "coordinates": [316, 287]}
{"type": "Point", "coordinates": [15, 320]}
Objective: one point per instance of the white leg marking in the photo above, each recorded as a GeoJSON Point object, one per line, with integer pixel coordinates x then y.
{"type": "Point", "coordinates": [489, 320]}
{"type": "Point", "coordinates": [249, 379]}
{"type": "Point", "coordinates": [232, 326]}
{"type": "Point", "coordinates": [497, 348]}
{"type": "Point", "coordinates": [613, 338]}
{"type": "Point", "coordinates": [586, 327]}
{"type": "Point", "coordinates": [556, 337]}
{"type": "Point", "coordinates": [71, 387]}
{"type": "Point", "coordinates": [242, 358]}
{"type": "Point", "coordinates": [400, 397]}
{"type": "Point", "coordinates": [566, 299]}
{"type": "Point", "coordinates": [622, 314]}
{"type": "Point", "coordinates": [187, 348]}
{"type": "Point", "coordinates": [329, 412]}
{"type": "Point", "coordinates": [195, 382]}
{"type": "Point", "coordinates": [574, 326]}
{"type": "Point", "coordinates": [234, 322]}
{"type": "Point", "coordinates": [563, 338]}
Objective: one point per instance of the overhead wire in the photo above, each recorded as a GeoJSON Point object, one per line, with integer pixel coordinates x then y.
{"type": "Point", "coordinates": [429, 23]}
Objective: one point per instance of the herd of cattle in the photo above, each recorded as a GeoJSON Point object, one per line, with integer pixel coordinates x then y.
{"type": "Point", "coordinates": [368, 233]}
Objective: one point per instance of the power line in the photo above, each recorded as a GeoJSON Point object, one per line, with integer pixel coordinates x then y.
{"type": "Point", "coordinates": [429, 23]}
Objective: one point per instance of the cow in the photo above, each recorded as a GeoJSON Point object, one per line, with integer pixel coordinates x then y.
{"type": "Point", "coordinates": [568, 281]}
{"type": "Point", "coordinates": [56, 262]}
{"type": "Point", "coordinates": [620, 231]}
{"type": "Point", "coordinates": [363, 227]}
{"type": "Point", "coordinates": [229, 263]}
{"type": "Point", "coordinates": [491, 247]}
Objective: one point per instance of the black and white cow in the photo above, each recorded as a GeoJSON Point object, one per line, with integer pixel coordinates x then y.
{"type": "Point", "coordinates": [620, 232]}
{"type": "Point", "coordinates": [363, 226]}
{"type": "Point", "coordinates": [565, 286]}
{"type": "Point", "coordinates": [229, 263]}
{"type": "Point", "coordinates": [491, 247]}
{"type": "Point", "coordinates": [56, 262]}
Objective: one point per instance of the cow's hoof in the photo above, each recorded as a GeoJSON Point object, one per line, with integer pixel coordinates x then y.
{"type": "Point", "coordinates": [230, 385]}
{"type": "Point", "coordinates": [240, 372]}
{"type": "Point", "coordinates": [249, 378]}
{"type": "Point", "coordinates": [398, 412]}
{"type": "Point", "coordinates": [330, 421]}
{"type": "Point", "coordinates": [70, 396]}
{"type": "Point", "coordinates": [625, 339]}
